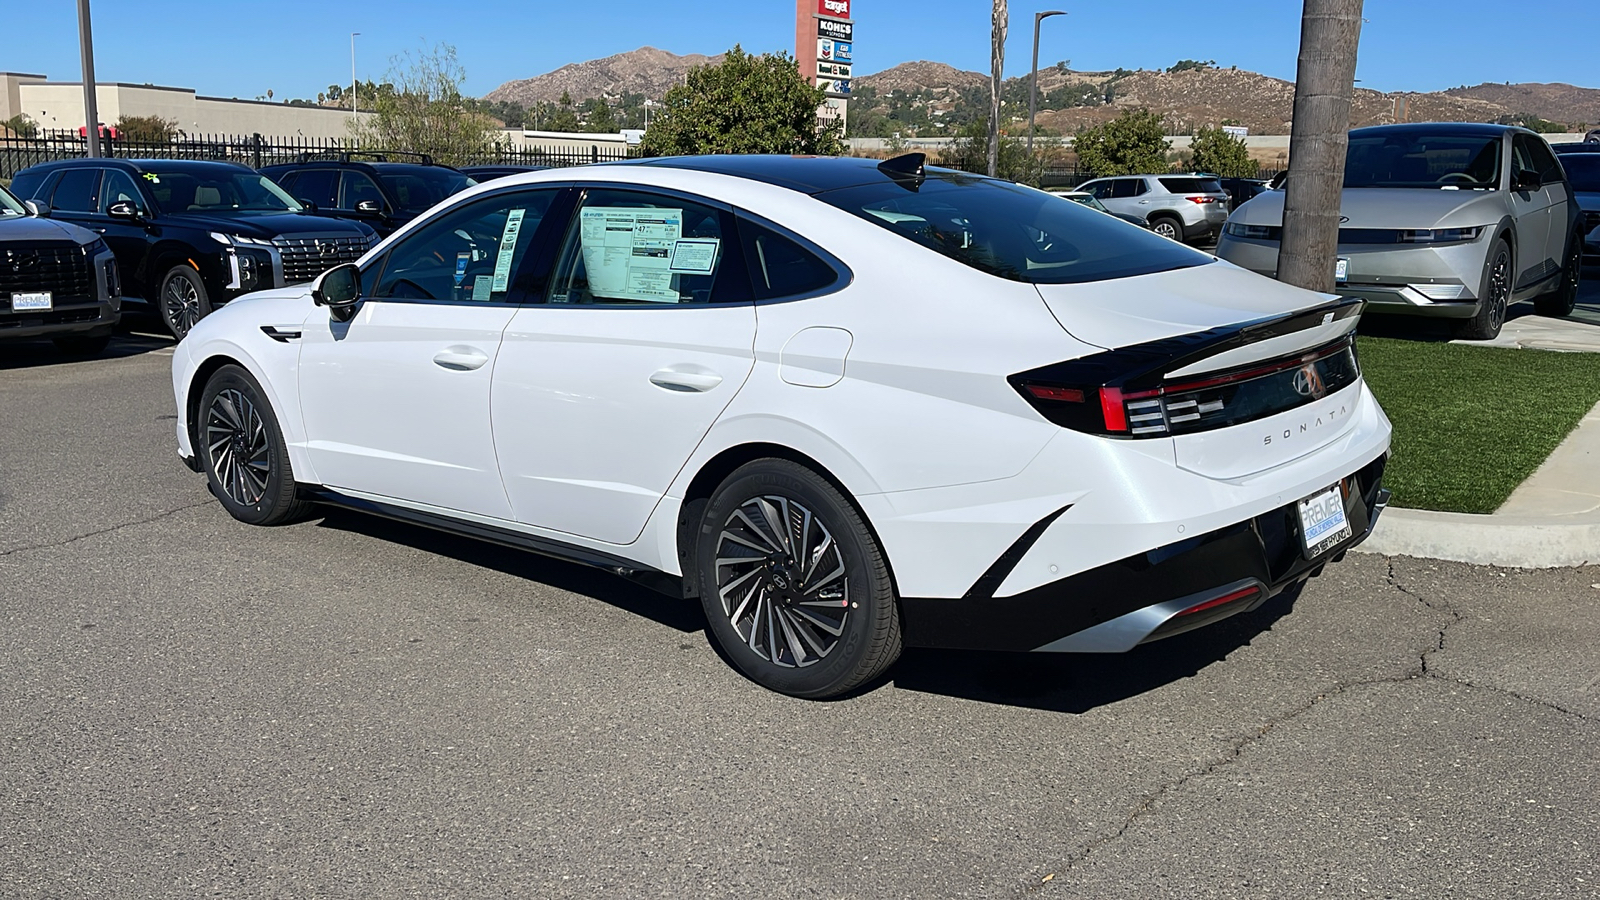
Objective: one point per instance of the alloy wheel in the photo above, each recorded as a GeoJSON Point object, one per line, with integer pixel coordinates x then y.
{"type": "Point", "coordinates": [782, 581]}
{"type": "Point", "coordinates": [1499, 289]}
{"type": "Point", "coordinates": [1166, 230]}
{"type": "Point", "coordinates": [180, 304]}
{"type": "Point", "coordinates": [240, 451]}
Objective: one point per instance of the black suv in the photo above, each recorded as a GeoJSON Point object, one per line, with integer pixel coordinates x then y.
{"type": "Point", "coordinates": [188, 235]}
{"type": "Point", "coordinates": [56, 281]}
{"type": "Point", "coordinates": [381, 193]}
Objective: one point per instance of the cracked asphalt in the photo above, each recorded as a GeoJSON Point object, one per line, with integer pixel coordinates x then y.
{"type": "Point", "coordinates": [355, 708]}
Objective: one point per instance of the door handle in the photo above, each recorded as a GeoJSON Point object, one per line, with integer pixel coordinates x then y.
{"type": "Point", "coordinates": [98, 230]}
{"type": "Point", "coordinates": [460, 358]}
{"type": "Point", "coordinates": [675, 380]}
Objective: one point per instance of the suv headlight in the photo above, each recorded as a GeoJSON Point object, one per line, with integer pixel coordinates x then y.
{"type": "Point", "coordinates": [1439, 235]}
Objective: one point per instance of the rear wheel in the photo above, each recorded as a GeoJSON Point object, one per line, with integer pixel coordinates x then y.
{"type": "Point", "coordinates": [243, 452]}
{"type": "Point", "coordinates": [1493, 298]}
{"type": "Point", "coordinates": [795, 587]}
{"type": "Point", "coordinates": [182, 301]}
{"type": "Point", "coordinates": [1167, 227]}
{"type": "Point", "coordinates": [1561, 302]}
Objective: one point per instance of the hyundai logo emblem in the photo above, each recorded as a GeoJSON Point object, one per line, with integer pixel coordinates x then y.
{"type": "Point", "coordinates": [327, 248]}
{"type": "Point", "coordinates": [1308, 382]}
{"type": "Point", "coordinates": [23, 260]}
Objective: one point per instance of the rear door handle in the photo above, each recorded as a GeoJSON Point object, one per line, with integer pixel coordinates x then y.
{"type": "Point", "coordinates": [675, 380]}
{"type": "Point", "coordinates": [460, 358]}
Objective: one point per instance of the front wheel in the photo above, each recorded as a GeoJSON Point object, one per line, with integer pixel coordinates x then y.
{"type": "Point", "coordinates": [1560, 303]}
{"type": "Point", "coordinates": [1493, 297]}
{"type": "Point", "coordinates": [183, 300]}
{"type": "Point", "coordinates": [243, 452]}
{"type": "Point", "coordinates": [795, 588]}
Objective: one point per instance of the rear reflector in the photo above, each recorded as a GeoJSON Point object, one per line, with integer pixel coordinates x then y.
{"type": "Point", "coordinates": [1241, 594]}
{"type": "Point", "coordinates": [1051, 392]}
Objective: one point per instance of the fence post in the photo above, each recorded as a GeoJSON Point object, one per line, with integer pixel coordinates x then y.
{"type": "Point", "coordinates": [594, 152]}
{"type": "Point", "coordinates": [255, 150]}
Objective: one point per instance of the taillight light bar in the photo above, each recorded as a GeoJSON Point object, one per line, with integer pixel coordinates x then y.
{"type": "Point", "coordinates": [1203, 200]}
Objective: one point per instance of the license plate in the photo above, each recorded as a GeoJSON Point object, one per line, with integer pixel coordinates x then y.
{"type": "Point", "coordinates": [39, 300]}
{"type": "Point", "coordinates": [1323, 524]}
{"type": "Point", "coordinates": [1341, 270]}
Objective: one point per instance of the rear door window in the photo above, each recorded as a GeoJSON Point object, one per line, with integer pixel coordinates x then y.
{"type": "Point", "coordinates": [1127, 187]}
{"type": "Point", "coordinates": [77, 191]}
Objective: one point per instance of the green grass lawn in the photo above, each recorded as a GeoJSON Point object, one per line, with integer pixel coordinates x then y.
{"type": "Point", "coordinates": [1471, 423]}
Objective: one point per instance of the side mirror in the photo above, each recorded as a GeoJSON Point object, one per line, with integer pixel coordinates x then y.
{"type": "Point", "coordinates": [339, 289]}
{"type": "Point", "coordinates": [123, 209]}
{"type": "Point", "coordinates": [37, 209]}
{"type": "Point", "coordinates": [1525, 180]}
{"type": "Point", "coordinates": [369, 206]}
{"type": "Point", "coordinates": [310, 205]}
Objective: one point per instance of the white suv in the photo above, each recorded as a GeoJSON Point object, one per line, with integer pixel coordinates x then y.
{"type": "Point", "coordinates": [1189, 208]}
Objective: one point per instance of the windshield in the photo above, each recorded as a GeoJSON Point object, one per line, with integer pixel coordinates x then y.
{"type": "Point", "coordinates": [1422, 160]}
{"type": "Point", "coordinates": [218, 192]}
{"type": "Point", "coordinates": [1012, 232]}
{"type": "Point", "coordinates": [417, 189]}
{"type": "Point", "coordinates": [1583, 170]}
{"type": "Point", "coordinates": [10, 205]}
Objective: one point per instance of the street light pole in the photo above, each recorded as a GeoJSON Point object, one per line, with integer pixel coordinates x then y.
{"type": "Point", "coordinates": [90, 108]}
{"type": "Point", "coordinates": [1033, 82]}
{"type": "Point", "coordinates": [353, 88]}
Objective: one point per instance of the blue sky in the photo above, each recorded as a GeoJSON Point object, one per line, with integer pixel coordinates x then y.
{"type": "Point", "coordinates": [296, 47]}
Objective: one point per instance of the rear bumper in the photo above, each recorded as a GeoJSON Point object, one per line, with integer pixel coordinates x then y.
{"type": "Point", "coordinates": [1147, 596]}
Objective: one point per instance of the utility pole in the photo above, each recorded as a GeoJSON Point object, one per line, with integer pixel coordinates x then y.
{"type": "Point", "coordinates": [1330, 31]}
{"type": "Point", "coordinates": [90, 108]}
{"type": "Point", "coordinates": [997, 60]}
{"type": "Point", "coordinates": [1033, 77]}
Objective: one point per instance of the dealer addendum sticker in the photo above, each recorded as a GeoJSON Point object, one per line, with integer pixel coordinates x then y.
{"type": "Point", "coordinates": [39, 300]}
{"type": "Point", "coordinates": [1323, 524]}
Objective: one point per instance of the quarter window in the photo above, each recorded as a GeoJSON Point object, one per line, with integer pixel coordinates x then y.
{"type": "Point", "coordinates": [780, 267]}
{"type": "Point", "coordinates": [471, 254]}
{"type": "Point", "coordinates": [77, 191]}
{"type": "Point", "coordinates": [633, 248]}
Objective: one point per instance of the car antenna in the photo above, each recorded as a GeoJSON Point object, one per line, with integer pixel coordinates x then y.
{"type": "Point", "coordinates": [907, 169]}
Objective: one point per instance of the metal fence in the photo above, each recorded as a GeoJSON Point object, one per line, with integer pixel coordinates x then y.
{"type": "Point", "coordinates": [255, 150]}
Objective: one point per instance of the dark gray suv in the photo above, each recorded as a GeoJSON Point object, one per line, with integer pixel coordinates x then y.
{"type": "Point", "coordinates": [57, 281]}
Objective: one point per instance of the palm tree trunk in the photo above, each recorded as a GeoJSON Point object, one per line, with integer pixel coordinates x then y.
{"type": "Point", "coordinates": [997, 59]}
{"type": "Point", "coordinates": [1329, 33]}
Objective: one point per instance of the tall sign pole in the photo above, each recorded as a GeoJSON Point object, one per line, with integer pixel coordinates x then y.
{"type": "Point", "coordinates": [824, 39]}
{"type": "Point", "coordinates": [90, 109]}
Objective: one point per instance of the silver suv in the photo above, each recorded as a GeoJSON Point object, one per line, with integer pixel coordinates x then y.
{"type": "Point", "coordinates": [1188, 208]}
{"type": "Point", "coordinates": [1452, 220]}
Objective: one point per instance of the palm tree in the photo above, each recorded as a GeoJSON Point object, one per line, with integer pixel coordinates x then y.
{"type": "Point", "coordinates": [1329, 33]}
{"type": "Point", "coordinates": [997, 59]}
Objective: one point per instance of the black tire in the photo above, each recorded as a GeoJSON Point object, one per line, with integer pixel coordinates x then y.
{"type": "Point", "coordinates": [792, 642]}
{"type": "Point", "coordinates": [242, 451]}
{"type": "Point", "coordinates": [1560, 303]}
{"type": "Point", "coordinates": [1494, 296]}
{"type": "Point", "coordinates": [82, 344]}
{"type": "Point", "coordinates": [1168, 227]}
{"type": "Point", "coordinates": [182, 300]}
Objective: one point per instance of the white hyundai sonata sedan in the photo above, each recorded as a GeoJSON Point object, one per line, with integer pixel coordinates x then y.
{"type": "Point", "coordinates": [851, 406]}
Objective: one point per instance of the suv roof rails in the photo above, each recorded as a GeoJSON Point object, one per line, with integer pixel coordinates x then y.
{"type": "Point", "coordinates": [345, 156]}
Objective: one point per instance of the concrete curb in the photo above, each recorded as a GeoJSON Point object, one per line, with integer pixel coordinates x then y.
{"type": "Point", "coordinates": [1523, 542]}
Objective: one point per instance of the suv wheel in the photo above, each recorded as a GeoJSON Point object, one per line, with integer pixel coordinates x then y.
{"type": "Point", "coordinates": [795, 588]}
{"type": "Point", "coordinates": [1167, 227]}
{"type": "Point", "coordinates": [1560, 302]}
{"type": "Point", "coordinates": [1493, 298]}
{"type": "Point", "coordinates": [242, 451]}
{"type": "Point", "coordinates": [183, 300]}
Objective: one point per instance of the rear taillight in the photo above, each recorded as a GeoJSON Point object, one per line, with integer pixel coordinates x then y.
{"type": "Point", "coordinates": [1203, 200]}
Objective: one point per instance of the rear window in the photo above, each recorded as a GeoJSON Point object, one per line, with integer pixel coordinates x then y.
{"type": "Point", "coordinates": [1192, 185]}
{"type": "Point", "coordinates": [1583, 170]}
{"type": "Point", "coordinates": [1010, 231]}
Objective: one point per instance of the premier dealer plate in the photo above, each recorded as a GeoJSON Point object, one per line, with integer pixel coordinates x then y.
{"type": "Point", "coordinates": [38, 300]}
{"type": "Point", "coordinates": [1323, 524]}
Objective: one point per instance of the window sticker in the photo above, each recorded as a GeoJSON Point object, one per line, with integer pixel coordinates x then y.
{"type": "Point", "coordinates": [462, 259]}
{"type": "Point", "coordinates": [508, 247]}
{"type": "Point", "coordinates": [627, 252]}
{"type": "Point", "coordinates": [694, 256]}
{"type": "Point", "coordinates": [482, 286]}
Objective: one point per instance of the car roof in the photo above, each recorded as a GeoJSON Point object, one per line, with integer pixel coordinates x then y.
{"type": "Point", "coordinates": [146, 165]}
{"type": "Point", "coordinates": [1460, 129]}
{"type": "Point", "coordinates": [1577, 147]}
{"type": "Point", "coordinates": [806, 174]}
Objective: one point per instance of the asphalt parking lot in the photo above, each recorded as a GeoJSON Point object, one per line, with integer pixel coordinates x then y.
{"type": "Point", "coordinates": [353, 708]}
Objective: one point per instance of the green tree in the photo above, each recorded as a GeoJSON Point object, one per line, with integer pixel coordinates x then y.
{"type": "Point", "coordinates": [745, 104]}
{"type": "Point", "coordinates": [1220, 153]}
{"type": "Point", "coordinates": [969, 152]}
{"type": "Point", "coordinates": [1184, 65]}
{"type": "Point", "coordinates": [600, 120]}
{"type": "Point", "coordinates": [1131, 144]}
{"type": "Point", "coordinates": [564, 118]}
{"type": "Point", "coordinates": [421, 108]}
{"type": "Point", "coordinates": [146, 128]}
{"type": "Point", "coordinates": [21, 125]}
